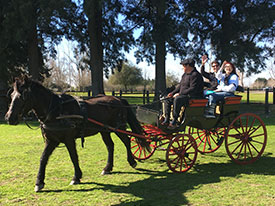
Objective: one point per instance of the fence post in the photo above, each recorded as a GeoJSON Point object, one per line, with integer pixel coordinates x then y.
{"type": "Point", "coordinates": [266, 101]}
{"type": "Point", "coordinates": [247, 98]}
{"type": "Point", "coordinates": [120, 93]}
{"type": "Point", "coordinates": [113, 93]}
{"type": "Point", "coordinates": [143, 96]}
{"type": "Point", "coordinates": [147, 96]}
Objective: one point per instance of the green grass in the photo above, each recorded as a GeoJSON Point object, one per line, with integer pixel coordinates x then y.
{"type": "Point", "coordinates": [214, 180]}
{"type": "Point", "coordinates": [254, 96]}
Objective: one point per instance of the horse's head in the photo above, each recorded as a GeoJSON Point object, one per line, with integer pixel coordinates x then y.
{"type": "Point", "coordinates": [21, 101]}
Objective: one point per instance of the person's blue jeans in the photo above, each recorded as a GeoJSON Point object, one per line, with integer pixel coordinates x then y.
{"type": "Point", "coordinates": [217, 96]}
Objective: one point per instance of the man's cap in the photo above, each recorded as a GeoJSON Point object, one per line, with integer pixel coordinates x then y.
{"type": "Point", "coordinates": [188, 61]}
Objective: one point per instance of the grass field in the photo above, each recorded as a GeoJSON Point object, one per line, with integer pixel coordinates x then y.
{"type": "Point", "coordinates": [254, 96]}
{"type": "Point", "coordinates": [214, 180]}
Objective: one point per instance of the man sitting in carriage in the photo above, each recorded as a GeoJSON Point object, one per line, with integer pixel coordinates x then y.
{"type": "Point", "coordinates": [190, 87]}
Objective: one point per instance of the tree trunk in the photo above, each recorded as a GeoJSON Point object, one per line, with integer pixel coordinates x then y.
{"type": "Point", "coordinates": [35, 62]}
{"type": "Point", "coordinates": [96, 49]}
{"type": "Point", "coordinates": [160, 82]}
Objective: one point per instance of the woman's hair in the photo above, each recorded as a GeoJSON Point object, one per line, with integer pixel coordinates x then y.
{"type": "Point", "coordinates": [233, 67]}
{"type": "Point", "coordinates": [233, 72]}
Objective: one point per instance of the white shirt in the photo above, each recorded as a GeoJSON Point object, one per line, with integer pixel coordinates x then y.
{"type": "Point", "coordinates": [233, 82]}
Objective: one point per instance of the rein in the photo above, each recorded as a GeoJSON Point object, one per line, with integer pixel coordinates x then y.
{"type": "Point", "coordinates": [32, 128]}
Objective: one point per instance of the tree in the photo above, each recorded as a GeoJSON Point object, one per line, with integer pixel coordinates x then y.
{"type": "Point", "coordinates": [237, 31]}
{"type": "Point", "coordinates": [171, 80]}
{"type": "Point", "coordinates": [107, 38]}
{"type": "Point", "coordinates": [127, 77]}
{"type": "Point", "coordinates": [30, 30]}
{"type": "Point", "coordinates": [260, 83]}
{"type": "Point", "coordinates": [162, 30]}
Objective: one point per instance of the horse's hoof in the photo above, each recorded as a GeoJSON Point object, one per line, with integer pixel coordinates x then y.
{"type": "Point", "coordinates": [39, 187]}
{"type": "Point", "coordinates": [105, 172]}
{"type": "Point", "coordinates": [134, 165]}
{"type": "Point", "coordinates": [75, 182]}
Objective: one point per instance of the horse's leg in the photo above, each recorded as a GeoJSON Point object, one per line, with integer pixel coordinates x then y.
{"type": "Point", "coordinates": [49, 148]}
{"type": "Point", "coordinates": [110, 147]}
{"type": "Point", "coordinates": [126, 141]}
{"type": "Point", "coordinates": [70, 144]}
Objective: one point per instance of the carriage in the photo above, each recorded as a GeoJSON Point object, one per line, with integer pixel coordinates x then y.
{"type": "Point", "coordinates": [64, 118]}
{"type": "Point", "coordinates": [244, 135]}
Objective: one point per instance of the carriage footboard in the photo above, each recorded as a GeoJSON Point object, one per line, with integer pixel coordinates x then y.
{"type": "Point", "coordinates": [147, 116]}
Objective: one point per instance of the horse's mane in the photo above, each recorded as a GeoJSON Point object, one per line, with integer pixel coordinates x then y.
{"type": "Point", "coordinates": [37, 85]}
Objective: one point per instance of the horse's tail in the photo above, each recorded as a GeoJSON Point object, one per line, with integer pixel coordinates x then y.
{"type": "Point", "coordinates": [135, 126]}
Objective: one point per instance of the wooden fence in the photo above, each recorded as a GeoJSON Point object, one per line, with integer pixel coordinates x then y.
{"type": "Point", "coordinates": [146, 96]}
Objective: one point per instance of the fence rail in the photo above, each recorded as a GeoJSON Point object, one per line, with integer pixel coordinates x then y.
{"type": "Point", "coordinates": [146, 96]}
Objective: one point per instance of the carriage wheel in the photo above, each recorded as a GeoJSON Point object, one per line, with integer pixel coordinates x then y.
{"type": "Point", "coordinates": [181, 153]}
{"type": "Point", "coordinates": [140, 153]}
{"type": "Point", "coordinates": [245, 138]}
{"type": "Point", "coordinates": [207, 140]}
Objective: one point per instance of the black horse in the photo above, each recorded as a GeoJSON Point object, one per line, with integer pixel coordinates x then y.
{"type": "Point", "coordinates": [60, 123]}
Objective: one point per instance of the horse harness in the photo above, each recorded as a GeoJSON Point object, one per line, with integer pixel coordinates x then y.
{"type": "Point", "coordinates": [71, 121]}
{"type": "Point", "coordinates": [65, 121]}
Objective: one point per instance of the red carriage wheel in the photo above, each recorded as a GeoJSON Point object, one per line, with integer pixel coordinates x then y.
{"type": "Point", "coordinates": [181, 153]}
{"type": "Point", "coordinates": [207, 140]}
{"type": "Point", "coordinates": [245, 138]}
{"type": "Point", "coordinates": [140, 153]}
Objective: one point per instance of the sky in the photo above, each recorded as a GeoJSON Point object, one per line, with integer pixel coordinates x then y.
{"type": "Point", "coordinates": [172, 65]}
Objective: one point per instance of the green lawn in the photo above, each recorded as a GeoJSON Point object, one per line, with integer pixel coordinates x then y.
{"type": "Point", "coordinates": [254, 96]}
{"type": "Point", "coordinates": [214, 180]}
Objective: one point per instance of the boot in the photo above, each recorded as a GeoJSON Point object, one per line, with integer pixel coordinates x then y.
{"type": "Point", "coordinates": [210, 111]}
{"type": "Point", "coordinates": [166, 120]}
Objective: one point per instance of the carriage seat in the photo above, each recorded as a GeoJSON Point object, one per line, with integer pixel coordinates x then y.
{"type": "Point", "coordinates": [197, 102]}
{"type": "Point", "coordinates": [230, 100]}
{"type": "Point", "coordinates": [228, 104]}
{"type": "Point", "coordinates": [233, 100]}
{"type": "Point", "coordinates": [194, 106]}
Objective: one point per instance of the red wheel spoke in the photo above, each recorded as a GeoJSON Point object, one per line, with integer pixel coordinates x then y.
{"type": "Point", "coordinates": [231, 143]}
{"type": "Point", "coordinates": [216, 142]}
{"type": "Point", "coordinates": [258, 135]}
{"type": "Point", "coordinates": [186, 164]}
{"type": "Point", "coordinates": [144, 152]}
{"type": "Point", "coordinates": [201, 141]}
{"type": "Point", "coordinates": [240, 151]}
{"type": "Point", "coordinates": [237, 130]}
{"type": "Point", "coordinates": [177, 158]}
{"type": "Point", "coordinates": [245, 151]}
{"type": "Point", "coordinates": [241, 125]}
{"type": "Point", "coordinates": [254, 147]}
{"type": "Point", "coordinates": [132, 147]}
{"type": "Point", "coordinates": [250, 138]}
{"type": "Point", "coordinates": [136, 150]}
{"type": "Point", "coordinates": [257, 142]}
{"type": "Point", "coordinates": [254, 130]}
{"type": "Point", "coordinates": [236, 147]}
{"type": "Point", "coordinates": [251, 125]}
{"type": "Point", "coordinates": [250, 152]}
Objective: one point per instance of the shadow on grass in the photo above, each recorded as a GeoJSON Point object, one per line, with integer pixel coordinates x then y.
{"type": "Point", "coordinates": [164, 188]}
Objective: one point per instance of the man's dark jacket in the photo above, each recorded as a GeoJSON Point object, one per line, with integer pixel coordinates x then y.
{"type": "Point", "coordinates": [191, 85]}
